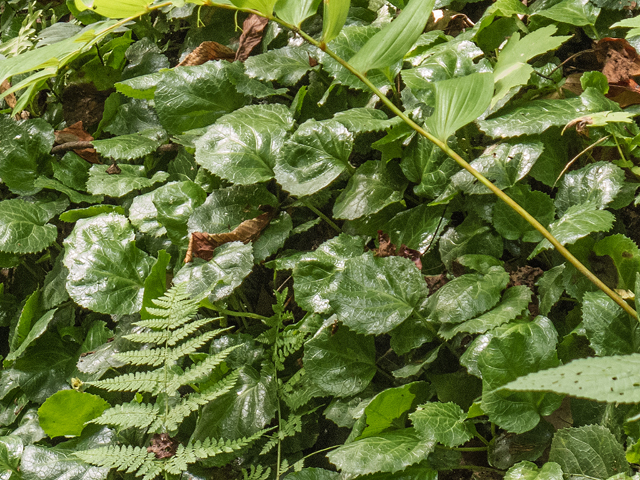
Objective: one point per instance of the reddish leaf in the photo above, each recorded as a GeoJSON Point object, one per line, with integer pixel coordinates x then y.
{"type": "Point", "coordinates": [252, 30]}
{"type": "Point", "coordinates": [202, 245]}
{"type": "Point", "coordinates": [76, 133]}
{"type": "Point", "coordinates": [620, 62]}
{"type": "Point", "coordinates": [205, 52]}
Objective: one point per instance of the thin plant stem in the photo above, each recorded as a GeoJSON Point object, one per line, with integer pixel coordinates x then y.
{"type": "Point", "coordinates": [454, 155]}
{"type": "Point", "coordinates": [590, 147]}
{"type": "Point", "coordinates": [615, 139]}
{"type": "Point", "coordinates": [463, 449]}
{"type": "Point", "coordinates": [321, 215]}
{"type": "Point", "coordinates": [237, 314]}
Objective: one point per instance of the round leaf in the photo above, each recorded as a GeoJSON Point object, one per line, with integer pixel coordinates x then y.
{"type": "Point", "coordinates": [67, 411]}
{"type": "Point", "coordinates": [24, 227]}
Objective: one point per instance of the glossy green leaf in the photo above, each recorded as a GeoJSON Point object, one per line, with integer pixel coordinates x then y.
{"type": "Point", "coordinates": [74, 197]}
{"type": "Point", "coordinates": [443, 423]}
{"type": "Point", "coordinates": [24, 227]}
{"type": "Point", "coordinates": [577, 222]}
{"type": "Point", "coordinates": [530, 471]}
{"type": "Point", "coordinates": [144, 215]}
{"type": "Point", "coordinates": [507, 449]}
{"type": "Point", "coordinates": [374, 295]}
{"type": "Point", "coordinates": [273, 237]}
{"type": "Point", "coordinates": [512, 226]}
{"type": "Point", "coordinates": [417, 228]}
{"type": "Point", "coordinates": [598, 182]}
{"type": "Point", "coordinates": [512, 69]}
{"type": "Point", "coordinates": [218, 278]}
{"type": "Point", "coordinates": [472, 236]}
{"type": "Point", "coordinates": [316, 154]}
{"type": "Point", "coordinates": [633, 23]}
{"type": "Point", "coordinates": [550, 288]}
{"type": "Point", "coordinates": [591, 451]}
{"type": "Point", "coordinates": [314, 474]}
{"type": "Point", "coordinates": [175, 202]}
{"type": "Point", "coordinates": [573, 12]}
{"type": "Point", "coordinates": [610, 330]}
{"type": "Point", "coordinates": [106, 269]}
{"type": "Point", "coordinates": [128, 147]}
{"type": "Point", "coordinates": [334, 16]}
{"type": "Point", "coordinates": [24, 152]}
{"type": "Point", "coordinates": [603, 379]}
{"type": "Point", "coordinates": [11, 448]}
{"type": "Point", "coordinates": [227, 208]}
{"type": "Point", "coordinates": [242, 146]}
{"type": "Point", "coordinates": [359, 120]}
{"type": "Point", "coordinates": [111, 9]}
{"type": "Point", "coordinates": [459, 101]}
{"type": "Point", "coordinates": [285, 65]}
{"type": "Point", "coordinates": [391, 43]}
{"type": "Point", "coordinates": [263, 6]}
{"type": "Point", "coordinates": [131, 177]}
{"type": "Point", "coordinates": [342, 363]}
{"type": "Point", "coordinates": [388, 410]}
{"type": "Point", "coordinates": [625, 255]}
{"type": "Point", "coordinates": [316, 274]}
{"type": "Point", "coordinates": [67, 411]}
{"type": "Point", "coordinates": [467, 296]}
{"type": "Point", "coordinates": [372, 187]}
{"type": "Point", "coordinates": [514, 301]}
{"type": "Point", "coordinates": [533, 118]}
{"type": "Point", "coordinates": [523, 348]}
{"type": "Point", "coordinates": [387, 452]}
{"type": "Point", "coordinates": [155, 284]}
{"type": "Point", "coordinates": [72, 170]}
{"type": "Point", "coordinates": [194, 97]}
{"type": "Point", "coordinates": [296, 11]}
{"type": "Point", "coordinates": [36, 329]}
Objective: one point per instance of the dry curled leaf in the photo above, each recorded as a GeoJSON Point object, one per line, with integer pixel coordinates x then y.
{"type": "Point", "coordinates": [114, 169]}
{"type": "Point", "coordinates": [388, 249]}
{"type": "Point", "coordinates": [202, 245]}
{"type": "Point", "coordinates": [163, 446]}
{"type": "Point", "coordinates": [77, 133]}
{"type": "Point", "coordinates": [10, 99]}
{"type": "Point", "coordinates": [620, 63]}
{"type": "Point", "coordinates": [252, 31]}
{"type": "Point", "coordinates": [205, 52]}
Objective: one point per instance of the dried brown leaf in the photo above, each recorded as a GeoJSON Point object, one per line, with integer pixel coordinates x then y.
{"type": "Point", "coordinates": [163, 446]}
{"type": "Point", "coordinates": [11, 98]}
{"type": "Point", "coordinates": [252, 31]}
{"type": "Point", "coordinates": [207, 51]}
{"type": "Point", "coordinates": [77, 133]}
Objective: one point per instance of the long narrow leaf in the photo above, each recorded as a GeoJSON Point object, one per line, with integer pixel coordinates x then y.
{"type": "Point", "coordinates": [296, 11]}
{"type": "Point", "coordinates": [263, 6]}
{"type": "Point", "coordinates": [334, 15]}
{"type": "Point", "coordinates": [392, 42]}
{"type": "Point", "coordinates": [459, 101]}
{"type": "Point", "coordinates": [114, 8]}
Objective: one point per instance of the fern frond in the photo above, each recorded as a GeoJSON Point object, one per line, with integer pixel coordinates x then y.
{"type": "Point", "coordinates": [128, 415]}
{"type": "Point", "coordinates": [171, 338]}
{"type": "Point", "coordinates": [205, 449]}
{"type": "Point", "coordinates": [132, 382]}
{"type": "Point", "coordinates": [192, 402]}
{"type": "Point", "coordinates": [128, 459]}
{"type": "Point", "coordinates": [299, 390]}
{"type": "Point", "coordinates": [158, 356]}
{"type": "Point", "coordinates": [256, 473]}
{"type": "Point", "coordinates": [197, 371]}
{"type": "Point", "coordinates": [288, 342]}
{"type": "Point", "coordinates": [150, 470]}
{"type": "Point", "coordinates": [292, 426]}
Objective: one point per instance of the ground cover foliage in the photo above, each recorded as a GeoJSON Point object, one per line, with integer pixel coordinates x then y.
{"type": "Point", "coordinates": [223, 256]}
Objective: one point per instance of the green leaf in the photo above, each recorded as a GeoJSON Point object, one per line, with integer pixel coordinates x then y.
{"type": "Point", "coordinates": [514, 301]}
{"type": "Point", "coordinates": [35, 331]}
{"type": "Point", "coordinates": [386, 452]}
{"type": "Point", "coordinates": [533, 118]}
{"type": "Point", "coordinates": [118, 9]}
{"type": "Point", "coordinates": [417, 228]}
{"type": "Point", "coordinates": [521, 349]}
{"type": "Point", "coordinates": [67, 411]}
{"type": "Point", "coordinates": [374, 186]}
{"type": "Point", "coordinates": [263, 6]}
{"type": "Point", "coordinates": [72, 170]}
{"type": "Point", "coordinates": [194, 97]}
{"type": "Point", "coordinates": [226, 208]}
{"type": "Point", "coordinates": [313, 474]}
{"type": "Point", "coordinates": [334, 16]}
{"type": "Point", "coordinates": [598, 183]}
{"type": "Point", "coordinates": [530, 471]}
{"type": "Point", "coordinates": [175, 202]}
{"type": "Point", "coordinates": [11, 448]}
{"type": "Point", "coordinates": [316, 274]}
{"type": "Point", "coordinates": [625, 255]}
{"type": "Point", "coordinates": [359, 120]}
{"type": "Point", "coordinates": [131, 177]}
{"type": "Point", "coordinates": [144, 215]}
{"type": "Point", "coordinates": [24, 227]}
{"type": "Point", "coordinates": [296, 11]}
{"type": "Point", "coordinates": [106, 270]}
{"type": "Point", "coordinates": [74, 197]}
{"type": "Point", "coordinates": [390, 44]}
{"type": "Point", "coordinates": [633, 23]}
{"type": "Point", "coordinates": [603, 379]}
{"type": "Point", "coordinates": [24, 152]}
{"type": "Point", "coordinates": [472, 236]}
{"type": "Point", "coordinates": [218, 278]}
{"type": "Point", "coordinates": [388, 410]}
{"type": "Point", "coordinates": [467, 296]}
{"type": "Point", "coordinates": [591, 451]}
{"type": "Point", "coordinates": [428, 166]}
{"type": "Point", "coordinates": [443, 423]}
{"type": "Point", "coordinates": [142, 87]}
{"type": "Point", "coordinates": [574, 12]}
{"type": "Point", "coordinates": [459, 101]}
{"type": "Point", "coordinates": [374, 295]}
{"type": "Point", "coordinates": [273, 237]}
{"type": "Point", "coordinates": [155, 284]}
{"type": "Point", "coordinates": [241, 146]}
{"type": "Point", "coordinates": [550, 288]}
{"type": "Point", "coordinates": [511, 225]}
{"type": "Point", "coordinates": [285, 65]}
{"type": "Point", "coordinates": [316, 154]}
{"type": "Point", "coordinates": [577, 222]}
{"type": "Point", "coordinates": [512, 69]}
{"type": "Point", "coordinates": [342, 363]}
{"type": "Point", "coordinates": [134, 145]}
{"type": "Point", "coordinates": [610, 330]}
